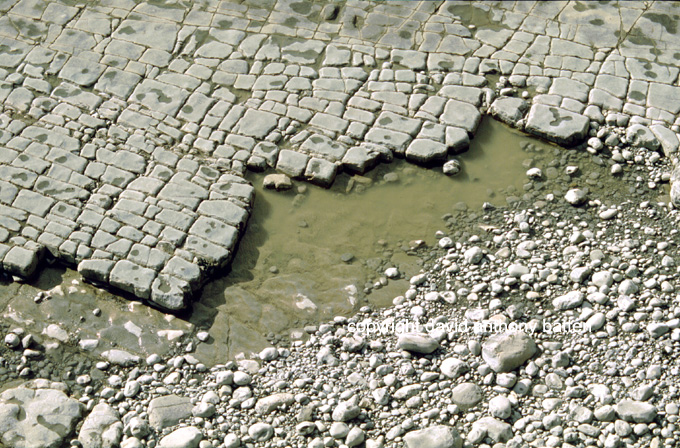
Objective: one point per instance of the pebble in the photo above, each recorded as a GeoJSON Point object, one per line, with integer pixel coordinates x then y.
{"type": "Point", "coordinates": [575, 196]}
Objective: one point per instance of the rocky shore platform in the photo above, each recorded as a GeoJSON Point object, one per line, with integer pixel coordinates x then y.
{"type": "Point", "coordinates": [125, 133]}
{"type": "Point", "coordinates": [126, 127]}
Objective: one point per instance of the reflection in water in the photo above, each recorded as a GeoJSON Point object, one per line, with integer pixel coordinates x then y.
{"type": "Point", "coordinates": [289, 269]}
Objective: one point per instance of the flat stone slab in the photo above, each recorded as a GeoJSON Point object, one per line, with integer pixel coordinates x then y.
{"type": "Point", "coordinates": [557, 125]}
{"type": "Point", "coordinates": [423, 151]}
{"type": "Point", "coordinates": [168, 410]}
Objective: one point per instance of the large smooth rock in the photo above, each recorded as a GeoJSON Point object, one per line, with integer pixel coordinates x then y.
{"type": "Point", "coordinates": [506, 351]}
{"type": "Point", "coordinates": [261, 432]}
{"type": "Point", "coordinates": [102, 428]}
{"type": "Point", "coordinates": [417, 343]}
{"type": "Point", "coordinates": [345, 412]}
{"type": "Point", "coordinates": [466, 395]}
{"type": "Point", "coordinates": [636, 411]}
{"type": "Point", "coordinates": [576, 196]}
{"type": "Point", "coordinates": [462, 115]}
{"type": "Point", "coordinates": [568, 301]}
{"type": "Point", "coordinates": [667, 139]}
{"type": "Point", "coordinates": [267, 405]}
{"type": "Point", "coordinates": [321, 172]}
{"type": "Point", "coordinates": [453, 367]}
{"type": "Point", "coordinates": [557, 125]}
{"type": "Point", "coordinates": [168, 410]}
{"type": "Point", "coordinates": [187, 437]}
{"type": "Point", "coordinates": [20, 261]}
{"type": "Point", "coordinates": [37, 414]}
{"type": "Point", "coordinates": [440, 436]}
{"type": "Point", "coordinates": [120, 357]}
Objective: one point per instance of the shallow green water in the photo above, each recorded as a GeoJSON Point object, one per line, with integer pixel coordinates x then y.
{"type": "Point", "coordinates": [289, 268]}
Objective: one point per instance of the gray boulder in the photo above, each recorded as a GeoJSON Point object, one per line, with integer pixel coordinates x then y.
{"type": "Point", "coordinates": [636, 411]}
{"type": "Point", "coordinates": [440, 436]}
{"type": "Point", "coordinates": [506, 351]}
{"type": "Point", "coordinates": [37, 414]}
{"type": "Point", "coordinates": [466, 395]}
{"type": "Point", "coordinates": [102, 428]}
{"type": "Point", "coordinates": [266, 405]}
{"type": "Point", "coordinates": [277, 182]}
{"type": "Point", "coordinates": [187, 437]}
{"type": "Point", "coordinates": [417, 343]}
{"type": "Point", "coordinates": [568, 301]}
{"type": "Point", "coordinates": [168, 410]}
{"type": "Point", "coordinates": [496, 430]}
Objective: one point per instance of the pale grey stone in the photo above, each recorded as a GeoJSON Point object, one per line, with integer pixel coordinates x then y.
{"type": "Point", "coordinates": [168, 410]}
{"type": "Point", "coordinates": [337, 57]}
{"type": "Point", "coordinates": [425, 151]}
{"type": "Point", "coordinates": [466, 395]}
{"type": "Point", "coordinates": [496, 430]}
{"type": "Point", "coordinates": [415, 60]}
{"type": "Point", "coordinates": [256, 123]}
{"type": "Point", "coordinates": [472, 95]}
{"type": "Point", "coordinates": [170, 293]}
{"type": "Point", "coordinates": [556, 124]}
{"type": "Point", "coordinates": [417, 343]}
{"type": "Point", "coordinates": [664, 96]}
{"type": "Point", "coordinates": [321, 172]}
{"type": "Point", "coordinates": [261, 432]}
{"type": "Point", "coordinates": [667, 139]}
{"type": "Point", "coordinates": [509, 110]}
{"type": "Point", "coordinates": [642, 136]}
{"type": "Point", "coordinates": [345, 412]}
{"type": "Point", "coordinates": [568, 301]}
{"type": "Point", "coordinates": [102, 428]}
{"type": "Point", "coordinates": [500, 407]}
{"type": "Point", "coordinates": [292, 163]}
{"type": "Point", "coordinates": [453, 367]}
{"type": "Point", "coordinates": [83, 72]}
{"type": "Point", "coordinates": [269, 404]}
{"type": "Point", "coordinates": [506, 351]}
{"type": "Point", "coordinates": [20, 261]}
{"type": "Point", "coordinates": [636, 411]}
{"type": "Point", "coordinates": [132, 278]}
{"type": "Point", "coordinates": [120, 357]}
{"type": "Point", "coordinates": [358, 159]}
{"type": "Point", "coordinates": [441, 436]}
{"type": "Point", "coordinates": [576, 196]}
{"type": "Point", "coordinates": [277, 181]}
{"type": "Point", "coordinates": [157, 35]}
{"type": "Point", "coordinates": [37, 414]}
{"type": "Point", "coordinates": [463, 115]}
{"type": "Point", "coordinates": [187, 437]}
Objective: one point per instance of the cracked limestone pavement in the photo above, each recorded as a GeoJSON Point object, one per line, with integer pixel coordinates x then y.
{"type": "Point", "coordinates": [126, 127]}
